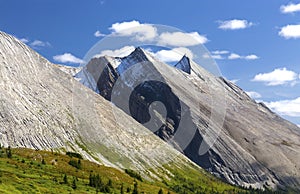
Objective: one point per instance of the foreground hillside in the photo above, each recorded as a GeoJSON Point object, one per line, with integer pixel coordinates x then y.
{"type": "Point", "coordinates": [35, 171]}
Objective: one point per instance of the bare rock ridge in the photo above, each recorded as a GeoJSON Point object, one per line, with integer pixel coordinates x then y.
{"type": "Point", "coordinates": [254, 145]}
{"type": "Point", "coordinates": [42, 107]}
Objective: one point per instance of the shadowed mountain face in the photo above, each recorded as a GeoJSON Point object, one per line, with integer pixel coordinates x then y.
{"type": "Point", "coordinates": [252, 146]}
{"type": "Point", "coordinates": [42, 107]}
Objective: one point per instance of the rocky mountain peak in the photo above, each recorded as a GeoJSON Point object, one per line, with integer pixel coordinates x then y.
{"type": "Point", "coordinates": [184, 64]}
{"type": "Point", "coordinates": [42, 108]}
{"type": "Point", "coordinates": [137, 56]}
{"type": "Point", "coordinates": [250, 134]}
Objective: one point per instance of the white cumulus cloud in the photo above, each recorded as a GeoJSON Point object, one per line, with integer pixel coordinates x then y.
{"type": "Point", "coordinates": [251, 57]}
{"type": "Point", "coordinates": [142, 32]}
{"type": "Point", "coordinates": [173, 55]}
{"type": "Point", "coordinates": [278, 76]}
{"type": "Point", "coordinates": [290, 8]}
{"type": "Point", "coordinates": [254, 95]}
{"type": "Point", "coordinates": [67, 58]}
{"type": "Point", "coordinates": [290, 31]}
{"type": "Point", "coordinates": [181, 39]}
{"type": "Point", "coordinates": [99, 34]}
{"type": "Point", "coordinates": [234, 24]}
{"type": "Point", "coordinates": [286, 107]}
{"type": "Point", "coordinates": [122, 52]}
{"type": "Point", "coordinates": [234, 56]}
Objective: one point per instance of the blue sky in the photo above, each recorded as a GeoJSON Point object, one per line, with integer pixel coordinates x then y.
{"type": "Point", "coordinates": [259, 40]}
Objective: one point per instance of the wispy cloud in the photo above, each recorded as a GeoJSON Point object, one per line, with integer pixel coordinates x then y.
{"type": "Point", "coordinates": [68, 58]}
{"type": "Point", "coordinates": [286, 107]}
{"type": "Point", "coordinates": [234, 81]}
{"type": "Point", "coordinates": [234, 24]}
{"type": "Point", "coordinates": [214, 56]}
{"type": "Point", "coordinates": [290, 31]}
{"type": "Point", "coordinates": [223, 54]}
{"type": "Point", "coordinates": [220, 52]}
{"type": "Point", "coordinates": [233, 56]}
{"type": "Point", "coordinates": [24, 40]}
{"type": "Point", "coordinates": [99, 34]}
{"type": "Point", "coordinates": [217, 57]}
{"type": "Point", "coordinates": [38, 44]}
{"type": "Point", "coordinates": [290, 8]}
{"type": "Point", "coordinates": [277, 77]}
{"type": "Point", "coordinates": [181, 39]}
{"type": "Point", "coordinates": [253, 94]}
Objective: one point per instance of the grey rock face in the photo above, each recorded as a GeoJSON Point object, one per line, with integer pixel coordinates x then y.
{"type": "Point", "coordinates": [252, 146]}
{"type": "Point", "coordinates": [42, 107]}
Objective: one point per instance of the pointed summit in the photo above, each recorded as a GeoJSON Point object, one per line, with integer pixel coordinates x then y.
{"type": "Point", "coordinates": [184, 64]}
{"type": "Point", "coordinates": [137, 56]}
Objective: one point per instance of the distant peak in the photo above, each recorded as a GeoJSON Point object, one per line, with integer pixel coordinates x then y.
{"type": "Point", "coordinates": [184, 64]}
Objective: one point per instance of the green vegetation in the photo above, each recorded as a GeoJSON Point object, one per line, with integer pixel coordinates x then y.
{"type": "Point", "coordinates": [134, 174]}
{"type": "Point", "coordinates": [75, 163]}
{"type": "Point", "coordinates": [35, 171]}
{"type": "Point", "coordinates": [73, 154]}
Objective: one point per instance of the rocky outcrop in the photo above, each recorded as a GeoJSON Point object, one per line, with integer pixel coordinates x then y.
{"type": "Point", "coordinates": [211, 120]}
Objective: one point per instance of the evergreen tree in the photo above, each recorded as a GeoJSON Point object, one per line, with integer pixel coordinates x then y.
{"type": "Point", "coordinates": [135, 188]}
{"type": "Point", "coordinates": [122, 189]}
{"type": "Point", "coordinates": [8, 152]}
{"type": "Point", "coordinates": [91, 180]}
{"type": "Point", "coordinates": [74, 183]}
{"type": "Point", "coordinates": [65, 179]}
{"type": "Point", "coordinates": [160, 191]}
{"type": "Point", "coordinates": [109, 183]}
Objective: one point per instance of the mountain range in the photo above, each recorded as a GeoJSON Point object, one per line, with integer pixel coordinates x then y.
{"type": "Point", "coordinates": [139, 113]}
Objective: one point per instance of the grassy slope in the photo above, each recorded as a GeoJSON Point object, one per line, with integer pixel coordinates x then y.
{"type": "Point", "coordinates": [25, 173]}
